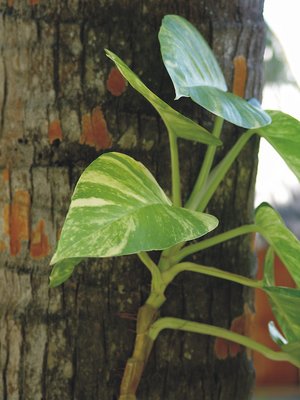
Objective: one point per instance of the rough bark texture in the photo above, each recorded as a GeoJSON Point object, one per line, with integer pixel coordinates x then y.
{"type": "Point", "coordinates": [59, 109]}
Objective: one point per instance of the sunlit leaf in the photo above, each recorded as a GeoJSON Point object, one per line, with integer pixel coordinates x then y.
{"type": "Point", "coordinates": [195, 73]}
{"type": "Point", "coordinates": [118, 208]}
{"type": "Point", "coordinates": [284, 135]}
{"type": "Point", "coordinates": [282, 240]}
{"type": "Point", "coordinates": [178, 124]}
{"type": "Point", "coordinates": [229, 106]}
{"type": "Point", "coordinates": [187, 57]}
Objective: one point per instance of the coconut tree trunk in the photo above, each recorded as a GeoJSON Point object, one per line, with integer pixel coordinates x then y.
{"type": "Point", "coordinates": [62, 104]}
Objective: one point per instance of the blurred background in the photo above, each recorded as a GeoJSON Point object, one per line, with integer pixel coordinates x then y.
{"type": "Point", "coordinates": [276, 184]}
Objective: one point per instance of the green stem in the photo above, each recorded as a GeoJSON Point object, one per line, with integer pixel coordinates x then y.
{"type": "Point", "coordinates": [152, 267]}
{"type": "Point", "coordinates": [220, 171]}
{"type": "Point", "coordinates": [205, 329]}
{"type": "Point", "coordinates": [204, 244]}
{"type": "Point", "coordinates": [211, 271]}
{"type": "Point", "coordinates": [147, 314]}
{"type": "Point", "coordinates": [194, 199]}
{"type": "Point", "coordinates": [176, 192]}
{"type": "Point", "coordinates": [158, 284]}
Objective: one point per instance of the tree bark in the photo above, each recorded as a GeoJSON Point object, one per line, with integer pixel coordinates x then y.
{"type": "Point", "coordinates": [61, 105]}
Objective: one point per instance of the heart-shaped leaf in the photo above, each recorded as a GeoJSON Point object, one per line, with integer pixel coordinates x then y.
{"type": "Point", "coordinates": [195, 73]}
{"type": "Point", "coordinates": [284, 135]}
{"type": "Point", "coordinates": [175, 122]}
{"type": "Point", "coordinates": [282, 240]}
{"type": "Point", "coordinates": [285, 304]}
{"type": "Point", "coordinates": [187, 57]}
{"type": "Point", "coordinates": [118, 208]}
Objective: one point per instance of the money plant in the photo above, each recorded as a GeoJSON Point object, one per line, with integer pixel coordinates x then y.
{"type": "Point", "coordinates": [118, 208]}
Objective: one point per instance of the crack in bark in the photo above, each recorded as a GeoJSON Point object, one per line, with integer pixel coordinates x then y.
{"type": "Point", "coordinates": [56, 61]}
{"type": "Point", "coordinates": [4, 98]}
{"type": "Point", "coordinates": [5, 367]}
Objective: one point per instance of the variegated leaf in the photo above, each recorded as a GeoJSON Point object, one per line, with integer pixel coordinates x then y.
{"type": "Point", "coordinates": [195, 73]}
{"type": "Point", "coordinates": [284, 135]}
{"type": "Point", "coordinates": [230, 107]}
{"type": "Point", "coordinates": [118, 208]}
{"type": "Point", "coordinates": [282, 240]}
{"type": "Point", "coordinates": [176, 123]}
{"type": "Point", "coordinates": [187, 57]}
{"type": "Point", "coordinates": [285, 304]}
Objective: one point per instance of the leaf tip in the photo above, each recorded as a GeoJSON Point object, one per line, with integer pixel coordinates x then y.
{"type": "Point", "coordinates": [264, 204]}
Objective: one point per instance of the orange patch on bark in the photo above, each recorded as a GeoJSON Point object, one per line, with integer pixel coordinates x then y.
{"type": "Point", "coordinates": [5, 175]}
{"type": "Point", "coordinates": [240, 76]}
{"type": "Point", "coordinates": [94, 130]}
{"type": "Point", "coordinates": [242, 325]}
{"type": "Point", "coordinates": [6, 219]}
{"type": "Point", "coordinates": [116, 84]}
{"type": "Point", "coordinates": [39, 243]}
{"type": "Point", "coordinates": [18, 221]}
{"type": "Point", "coordinates": [55, 131]}
{"type": "Point", "coordinates": [2, 246]}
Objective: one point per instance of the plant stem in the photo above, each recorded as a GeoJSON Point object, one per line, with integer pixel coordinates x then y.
{"type": "Point", "coordinates": [204, 244]}
{"type": "Point", "coordinates": [211, 271]}
{"type": "Point", "coordinates": [220, 171]}
{"type": "Point", "coordinates": [176, 192]}
{"type": "Point", "coordinates": [158, 285]}
{"type": "Point", "coordinates": [142, 348]}
{"type": "Point", "coordinates": [196, 327]}
{"type": "Point", "coordinates": [193, 201]}
{"type": "Point", "coordinates": [147, 314]}
{"type": "Point", "coordinates": [152, 267]}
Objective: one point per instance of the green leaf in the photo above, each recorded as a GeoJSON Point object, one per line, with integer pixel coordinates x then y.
{"type": "Point", "coordinates": [195, 73]}
{"type": "Point", "coordinates": [285, 304]}
{"type": "Point", "coordinates": [269, 279]}
{"type": "Point", "coordinates": [63, 270]}
{"type": "Point", "coordinates": [284, 135]}
{"type": "Point", "coordinates": [118, 208]}
{"type": "Point", "coordinates": [293, 349]}
{"type": "Point", "coordinates": [230, 107]}
{"type": "Point", "coordinates": [187, 57]}
{"type": "Point", "coordinates": [282, 240]}
{"type": "Point", "coordinates": [178, 124]}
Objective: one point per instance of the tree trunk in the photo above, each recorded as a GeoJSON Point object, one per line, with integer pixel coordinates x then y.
{"type": "Point", "coordinates": [61, 105]}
